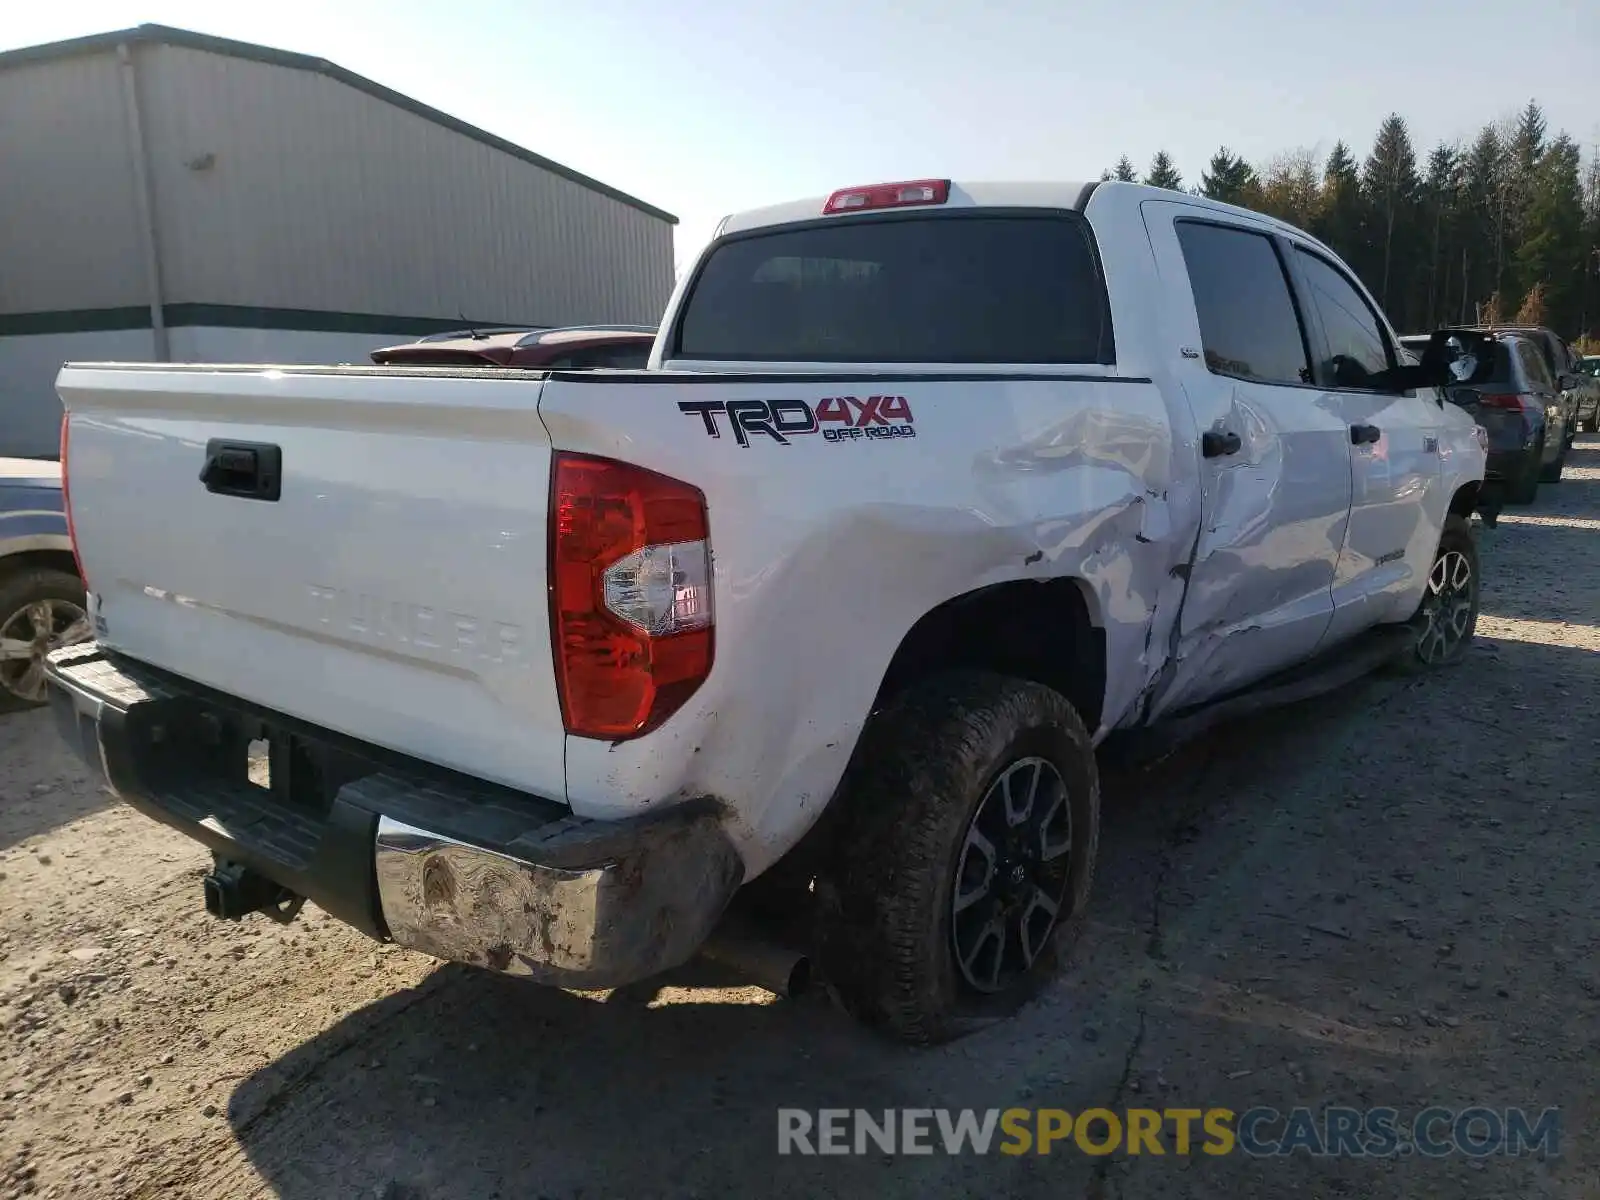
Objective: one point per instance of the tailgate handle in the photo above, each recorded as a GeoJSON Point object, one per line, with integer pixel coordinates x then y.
{"type": "Point", "coordinates": [250, 470]}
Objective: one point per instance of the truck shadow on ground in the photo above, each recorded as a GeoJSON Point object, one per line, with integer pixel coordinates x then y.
{"type": "Point", "coordinates": [473, 1085]}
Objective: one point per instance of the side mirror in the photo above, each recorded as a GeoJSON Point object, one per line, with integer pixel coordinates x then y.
{"type": "Point", "coordinates": [1566, 381]}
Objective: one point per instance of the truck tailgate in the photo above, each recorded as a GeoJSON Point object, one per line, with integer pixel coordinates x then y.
{"type": "Point", "coordinates": [394, 590]}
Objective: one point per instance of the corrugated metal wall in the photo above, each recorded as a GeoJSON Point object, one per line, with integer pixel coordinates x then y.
{"type": "Point", "coordinates": [68, 220]}
{"type": "Point", "coordinates": [317, 196]}
{"type": "Point", "coordinates": [322, 197]}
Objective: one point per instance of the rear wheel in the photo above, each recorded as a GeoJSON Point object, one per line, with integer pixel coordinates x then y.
{"type": "Point", "coordinates": [1592, 424]}
{"type": "Point", "coordinates": [1523, 487]}
{"type": "Point", "coordinates": [1551, 472]}
{"type": "Point", "coordinates": [962, 867]}
{"type": "Point", "coordinates": [40, 610]}
{"type": "Point", "coordinates": [1448, 615]}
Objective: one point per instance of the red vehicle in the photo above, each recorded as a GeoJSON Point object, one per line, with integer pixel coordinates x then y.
{"type": "Point", "coordinates": [573, 348]}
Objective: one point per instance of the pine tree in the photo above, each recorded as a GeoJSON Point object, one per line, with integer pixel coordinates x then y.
{"type": "Point", "coordinates": [1341, 215]}
{"type": "Point", "coordinates": [1389, 181]}
{"type": "Point", "coordinates": [1507, 223]}
{"type": "Point", "coordinates": [1551, 252]}
{"type": "Point", "coordinates": [1527, 140]}
{"type": "Point", "coordinates": [1589, 313]}
{"type": "Point", "coordinates": [1230, 179]}
{"type": "Point", "coordinates": [1484, 201]}
{"type": "Point", "coordinates": [1163, 174]}
{"type": "Point", "coordinates": [1441, 197]}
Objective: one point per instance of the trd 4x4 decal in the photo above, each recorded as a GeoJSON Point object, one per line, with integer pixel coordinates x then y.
{"type": "Point", "coordinates": [837, 418]}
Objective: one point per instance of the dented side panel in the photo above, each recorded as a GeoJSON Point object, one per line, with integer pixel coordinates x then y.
{"type": "Point", "coordinates": [827, 551]}
{"type": "Point", "coordinates": [1260, 585]}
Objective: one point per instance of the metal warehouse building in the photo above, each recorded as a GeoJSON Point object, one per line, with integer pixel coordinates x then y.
{"type": "Point", "coordinates": [170, 196]}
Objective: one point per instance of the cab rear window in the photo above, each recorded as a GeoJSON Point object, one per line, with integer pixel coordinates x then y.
{"type": "Point", "coordinates": [951, 288]}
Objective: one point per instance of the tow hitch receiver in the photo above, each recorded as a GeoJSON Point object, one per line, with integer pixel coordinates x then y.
{"type": "Point", "coordinates": [234, 890]}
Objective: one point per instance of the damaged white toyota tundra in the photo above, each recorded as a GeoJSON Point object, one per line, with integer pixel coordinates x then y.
{"type": "Point", "coordinates": [929, 489]}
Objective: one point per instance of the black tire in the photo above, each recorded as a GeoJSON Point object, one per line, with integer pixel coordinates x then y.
{"type": "Point", "coordinates": [925, 767]}
{"type": "Point", "coordinates": [1445, 602]}
{"type": "Point", "coordinates": [1523, 488]}
{"type": "Point", "coordinates": [1592, 424]}
{"type": "Point", "coordinates": [1551, 472]}
{"type": "Point", "coordinates": [19, 590]}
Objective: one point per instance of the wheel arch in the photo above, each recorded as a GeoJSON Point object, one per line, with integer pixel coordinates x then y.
{"type": "Point", "coordinates": [1048, 631]}
{"type": "Point", "coordinates": [27, 560]}
{"type": "Point", "coordinates": [1465, 498]}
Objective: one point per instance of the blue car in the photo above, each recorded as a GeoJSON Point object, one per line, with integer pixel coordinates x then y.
{"type": "Point", "coordinates": [42, 603]}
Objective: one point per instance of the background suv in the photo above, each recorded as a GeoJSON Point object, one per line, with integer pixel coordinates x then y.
{"type": "Point", "coordinates": [1522, 409]}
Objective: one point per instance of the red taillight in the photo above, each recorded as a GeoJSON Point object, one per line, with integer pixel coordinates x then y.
{"type": "Point", "coordinates": [630, 594]}
{"type": "Point", "coordinates": [1511, 400]}
{"type": "Point", "coordinates": [66, 495]}
{"type": "Point", "coordinates": [888, 195]}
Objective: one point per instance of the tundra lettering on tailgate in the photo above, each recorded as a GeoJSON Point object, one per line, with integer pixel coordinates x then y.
{"type": "Point", "coordinates": [837, 418]}
{"type": "Point", "coordinates": [428, 632]}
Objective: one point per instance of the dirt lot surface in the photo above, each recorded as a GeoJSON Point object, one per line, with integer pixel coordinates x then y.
{"type": "Point", "coordinates": [1386, 897]}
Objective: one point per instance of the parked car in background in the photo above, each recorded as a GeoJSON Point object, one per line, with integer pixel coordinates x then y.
{"type": "Point", "coordinates": [574, 348]}
{"type": "Point", "coordinates": [1561, 363]}
{"type": "Point", "coordinates": [1588, 369]}
{"type": "Point", "coordinates": [41, 597]}
{"type": "Point", "coordinates": [1522, 410]}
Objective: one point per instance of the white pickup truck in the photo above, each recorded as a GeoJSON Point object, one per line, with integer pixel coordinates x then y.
{"type": "Point", "coordinates": [929, 488]}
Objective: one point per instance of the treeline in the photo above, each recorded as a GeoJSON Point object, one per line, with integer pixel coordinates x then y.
{"type": "Point", "coordinates": [1506, 227]}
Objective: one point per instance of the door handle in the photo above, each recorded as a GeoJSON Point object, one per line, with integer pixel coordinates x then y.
{"type": "Point", "coordinates": [1214, 443]}
{"type": "Point", "coordinates": [1360, 435]}
{"type": "Point", "coordinates": [249, 470]}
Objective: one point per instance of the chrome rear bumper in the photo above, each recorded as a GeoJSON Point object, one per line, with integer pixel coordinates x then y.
{"type": "Point", "coordinates": [451, 866]}
{"type": "Point", "coordinates": [603, 925]}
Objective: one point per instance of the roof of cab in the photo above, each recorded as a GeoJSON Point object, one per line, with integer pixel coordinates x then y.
{"type": "Point", "coordinates": [1015, 194]}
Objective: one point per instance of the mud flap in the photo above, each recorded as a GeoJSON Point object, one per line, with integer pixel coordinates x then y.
{"type": "Point", "coordinates": [1491, 498]}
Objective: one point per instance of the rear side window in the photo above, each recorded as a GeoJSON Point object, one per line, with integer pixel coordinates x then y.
{"type": "Point", "coordinates": [1357, 347]}
{"type": "Point", "coordinates": [1533, 366]}
{"type": "Point", "coordinates": [1248, 322]}
{"type": "Point", "coordinates": [945, 289]}
{"type": "Point", "coordinates": [1502, 365]}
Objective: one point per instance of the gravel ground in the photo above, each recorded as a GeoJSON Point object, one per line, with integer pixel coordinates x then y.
{"type": "Point", "coordinates": [1381, 898]}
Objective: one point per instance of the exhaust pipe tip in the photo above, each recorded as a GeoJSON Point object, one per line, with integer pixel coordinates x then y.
{"type": "Point", "coordinates": [739, 947]}
{"type": "Point", "coordinates": [798, 981]}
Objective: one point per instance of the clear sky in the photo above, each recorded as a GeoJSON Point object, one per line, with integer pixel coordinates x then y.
{"type": "Point", "coordinates": [710, 106]}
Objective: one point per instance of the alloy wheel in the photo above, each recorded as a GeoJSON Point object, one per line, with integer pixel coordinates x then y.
{"type": "Point", "coordinates": [1447, 607]}
{"type": "Point", "coordinates": [1012, 874]}
{"type": "Point", "coordinates": [30, 633]}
